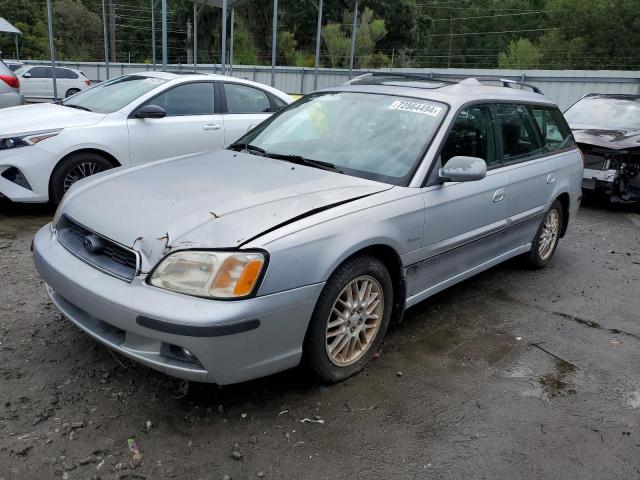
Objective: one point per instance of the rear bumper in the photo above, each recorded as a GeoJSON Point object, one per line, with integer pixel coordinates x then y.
{"type": "Point", "coordinates": [11, 99]}
{"type": "Point", "coordinates": [233, 341]}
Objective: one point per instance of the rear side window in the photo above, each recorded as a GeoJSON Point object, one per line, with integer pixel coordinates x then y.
{"type": "Point", "coordinates": [553, 128]}
{"type": "Point", "coordinates": [187, 99]}
{"type": "Point", "coordinates": [65, 73]}
{"type": "Point", "coordinates": [517, 129]}
{"type": "Point", "coordinates": [472, 135]}
{"type": "Point", "coordinates": [244, 99]}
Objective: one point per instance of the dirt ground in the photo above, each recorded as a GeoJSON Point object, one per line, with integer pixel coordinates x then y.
{"type": "Point", "coordinates": [513, 374]}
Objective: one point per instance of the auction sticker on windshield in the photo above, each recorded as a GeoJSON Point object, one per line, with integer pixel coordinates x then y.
{"type": "Point", "coordinates": [422, 108]}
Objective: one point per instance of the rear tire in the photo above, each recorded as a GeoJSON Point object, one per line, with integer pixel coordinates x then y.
{"type": "Point", "coordinates": [547, 237]}
{"type": "Point", "coordinates": [71, 91]}
{"type": "Point", "coordinates": [73, 168]}
{"type": "Point", "coordinates": [350, 319]}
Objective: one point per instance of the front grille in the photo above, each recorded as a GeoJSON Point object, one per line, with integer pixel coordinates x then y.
{"type": "Point", "coordinates": [97, 250]}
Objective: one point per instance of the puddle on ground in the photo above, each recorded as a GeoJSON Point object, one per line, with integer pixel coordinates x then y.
{"type": "Point", "coordinates": [8, 234]}
{"type": "Point", "coordinates": [487, 347]}
{"type": "Point", "coordinates": [541, 375]}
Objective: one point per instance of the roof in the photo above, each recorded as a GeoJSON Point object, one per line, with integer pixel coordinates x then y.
{"type": "Point", "coordinates": [6, 27]}
{"type": "Point", "coordinates": [450, 92]}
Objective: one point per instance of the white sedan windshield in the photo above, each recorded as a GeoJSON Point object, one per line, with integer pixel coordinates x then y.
{"type": "Point", "coordinates": [112, 95]}
{"type": "Point", "coordinates": [381, 137]}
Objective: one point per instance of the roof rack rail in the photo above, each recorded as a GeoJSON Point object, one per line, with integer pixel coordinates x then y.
{"type": "Point", "coordinates": [412, 75]}
{"type": "Point", "coordinates": [510, 83]}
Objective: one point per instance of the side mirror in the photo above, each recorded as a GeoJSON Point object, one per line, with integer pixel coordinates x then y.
{"type": "Point", "coordinates": [463, 169]}
{"type": "Point", "coordinates": [26, 75]}
{"type": "Point", "coordinates": [151, 111]}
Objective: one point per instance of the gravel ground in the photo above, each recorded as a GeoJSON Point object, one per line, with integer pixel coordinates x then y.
{"type": "Point", "coordinates": [512, 374]}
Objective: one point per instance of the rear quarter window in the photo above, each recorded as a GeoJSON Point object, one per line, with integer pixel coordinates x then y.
{"type": "Point", "coordinates": [554, 131]}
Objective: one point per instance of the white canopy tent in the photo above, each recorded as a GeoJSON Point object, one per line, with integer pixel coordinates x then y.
{"type": "Point", "coordinates": [6, 27]}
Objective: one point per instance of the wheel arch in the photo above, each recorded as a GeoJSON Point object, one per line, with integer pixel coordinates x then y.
{"type": "Point", "coordinates": [110, 158]}
{"type": "Point", "coordinates": [393, 262]}
{"type": "Point", "coordinates": [565, 201]}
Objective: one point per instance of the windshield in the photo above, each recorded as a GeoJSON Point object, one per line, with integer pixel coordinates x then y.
{"type": "Point", "coordinates": [112, 95]}
{"type": "Point", "coordinates": [380, 137]}
{"type": "Point", "coordinates": [618, 113]}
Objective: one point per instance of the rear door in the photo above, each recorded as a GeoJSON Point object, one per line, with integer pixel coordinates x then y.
{"type": "Point", "coordinates": [244, 107]}
{"type": "Point", "coordinates": [191, 125]}
{"type": "Point", "coordinates": [531, 166]}
{"type": "Point", "coordinates": [464, 220]}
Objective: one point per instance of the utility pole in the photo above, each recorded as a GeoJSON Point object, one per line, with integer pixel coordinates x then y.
{"type": "Point", "coordinates": [106, 38]}
{"type": "Point", "coordinates": [318, 33]}
{"type": "Point", "coordinates": [112, 30]}
{"type": "Point", "coordinates": [223, 53]}
{"type": "Point", "coordinates": [164, 35]}
{"type": "Point", "coordinates": [353, 39]}
{"type": "Point", "coordinates": [189, 44]}
{"type": "Point", "coordinates": [450, 38]}
{"type": "Point", "coordinates": [153, 33]}
{"type": "Point", "coordinates": [274, 42]}
{"type": "Point", "coordinates": [52, 49]}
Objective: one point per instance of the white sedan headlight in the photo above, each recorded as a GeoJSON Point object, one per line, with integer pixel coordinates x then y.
{"type": "Point", "coordinates": [26, 139]}
{"type": "Point", "coordinates": [210, 274]}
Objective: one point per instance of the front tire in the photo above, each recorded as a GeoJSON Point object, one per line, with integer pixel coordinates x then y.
{"type": "Point", "coordinates": [73, 168]}
{"type": "Point", "coordinates": [350, 319]}
{"type": "Point", "coordinates": [547, 236]}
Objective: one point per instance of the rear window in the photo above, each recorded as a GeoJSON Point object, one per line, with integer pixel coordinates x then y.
{"type": "Point", "coordinates": [554, 131]}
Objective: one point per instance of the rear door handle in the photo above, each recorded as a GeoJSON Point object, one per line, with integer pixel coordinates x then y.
{"type": "Point", "coordinates": [498, 196]}
{"type": "Point", "coordinates": [551, 178]}
{"type": "Point", "coordinates": [212, 126]}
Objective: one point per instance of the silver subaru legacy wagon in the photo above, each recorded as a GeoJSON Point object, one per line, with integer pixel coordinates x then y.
{"type": "Point", "coordinates": [307, 236]}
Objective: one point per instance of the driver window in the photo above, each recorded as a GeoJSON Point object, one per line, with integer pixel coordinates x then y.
{"type": "Point", "coordinates": [472, 136]}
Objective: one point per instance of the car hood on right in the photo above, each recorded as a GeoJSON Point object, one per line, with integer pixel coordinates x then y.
{"type": "Point", "coordinates": [218, 199]}
{"type": "Point", "coordinates": [606, 137]}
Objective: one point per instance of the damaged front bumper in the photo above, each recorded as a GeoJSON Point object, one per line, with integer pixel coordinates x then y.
{"type": "Point", "coordinates": [613, 173]}
{"type": "Point", "coordinates": [196, 339]}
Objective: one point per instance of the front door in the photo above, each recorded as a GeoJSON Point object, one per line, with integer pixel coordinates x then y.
{"type": "Point", "coordinates": [190, 125]}
{"type": "Point", "coordinates": [464, 220]}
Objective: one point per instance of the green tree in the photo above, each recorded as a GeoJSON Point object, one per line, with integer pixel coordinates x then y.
{"type": "Point", "coordinates": [245, 51]}
{"type": "Point", "coordinates": [520, 54]}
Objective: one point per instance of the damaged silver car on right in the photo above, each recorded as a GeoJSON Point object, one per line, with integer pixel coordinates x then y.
{"type": "Point", "coordinates": [607, 130]}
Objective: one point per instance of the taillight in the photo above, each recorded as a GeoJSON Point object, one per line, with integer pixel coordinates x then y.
{"type": "Point", "coordinates": [87, 82]}
{"type": "Point", "coordinates": [10, 80]}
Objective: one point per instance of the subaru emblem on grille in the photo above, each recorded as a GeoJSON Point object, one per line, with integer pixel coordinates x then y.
{"type": "Point", "coordinates": [92, 243]}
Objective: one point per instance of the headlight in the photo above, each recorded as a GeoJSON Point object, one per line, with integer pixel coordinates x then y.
{"type": "Point", "coordinates": [24, 140]}
{"type": "Point", "coordinates": [210, 274]}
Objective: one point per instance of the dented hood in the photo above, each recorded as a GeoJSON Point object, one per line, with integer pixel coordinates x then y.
{"type": "Point", "coordinates": [217, 199]}
{"type": "Point", "coordinates": [603, 137]}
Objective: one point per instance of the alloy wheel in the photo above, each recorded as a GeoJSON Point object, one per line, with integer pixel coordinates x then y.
{"type": "Point", "coordinates": [354, 320]}
{"type": "Point", "coordinates": [80, 171]}
{"type": "Point", "coordinates": [549, 234]}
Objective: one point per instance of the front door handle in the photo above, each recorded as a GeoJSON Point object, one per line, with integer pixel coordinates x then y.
{"type": "Point", "coordinates": [212, 126]}
{"type": "Point", "coordinates": [498, 196]}
{"type": "Point", "coordinates": [551, 178]}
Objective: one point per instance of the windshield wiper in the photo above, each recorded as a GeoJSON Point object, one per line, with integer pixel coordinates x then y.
{"type": "Point", "coordinates": [246, 146]}
{"type": "Point", "coordinates": [299, 160]}
{"type": "Point", "coordinates": [79, 107]}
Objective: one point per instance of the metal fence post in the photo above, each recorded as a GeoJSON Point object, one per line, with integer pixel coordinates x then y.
{"type": "Point", "coordinates": [353, 39]}
{"type": "Point", "coordinates": [52, 49]}
{"type": "Point", "coordinates": [318, 33]}
{"type": "Point", "coordinates": [274, 42]}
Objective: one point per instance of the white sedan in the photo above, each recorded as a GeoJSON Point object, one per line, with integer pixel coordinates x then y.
{"type": "Point", "coordinates": [126, 121]}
